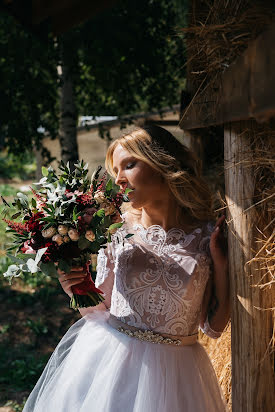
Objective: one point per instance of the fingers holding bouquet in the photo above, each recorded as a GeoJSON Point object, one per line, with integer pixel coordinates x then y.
{"type": "Point", "coordinates": [74, 277]}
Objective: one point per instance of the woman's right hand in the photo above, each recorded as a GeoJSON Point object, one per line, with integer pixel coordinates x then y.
{"type": "Point", "coordinates": [67, 280]}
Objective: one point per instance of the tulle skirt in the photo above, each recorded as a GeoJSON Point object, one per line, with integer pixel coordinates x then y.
{"type": "Point", "coordinates": [96, 368]}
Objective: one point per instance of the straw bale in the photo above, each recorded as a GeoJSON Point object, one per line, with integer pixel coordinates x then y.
{"type": "Point", "coordinates": [263, 163]}
{"type": "Point", "coordinates": [219, 352]}
{"type": "Point", "coordinates": [218, 33]}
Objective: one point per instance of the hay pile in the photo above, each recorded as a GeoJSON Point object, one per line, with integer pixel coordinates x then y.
{"type": "Point", "coordinates": [219, 352]}
{"type": "Point", "coordinates": [218, 33]}
{"type": "Point", "coordinates": [263, 164]}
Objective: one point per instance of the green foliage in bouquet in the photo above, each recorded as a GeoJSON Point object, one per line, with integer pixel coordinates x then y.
{"type": "Point", "coordinates": [68, 218]}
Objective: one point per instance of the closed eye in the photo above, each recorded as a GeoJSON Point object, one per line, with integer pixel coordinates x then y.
{"type": "Point", "coordinates": [130, 165]}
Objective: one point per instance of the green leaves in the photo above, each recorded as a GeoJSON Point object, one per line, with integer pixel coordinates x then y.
{"type": "Point", "coordinates": [49, 269]}
{"type": "Point", "coordinates": [29, 93]}
{"type": "Point", "coordinates": [45, 171]}
{"type": "Point", "coordinates": [148, 57]}
{"type": "Point", "coordinates": [95, 177]}
{"type": "Point", "coordinates": [109, 187]}
{"type": "Point", "coordinates": [128, 190]}
{"type": "Point", "coordinates": [83, 243]}
{"type": "Point", "coordinates": [100, 213]}
{"type": "Point", "coordinates": [115, 226]}
{"type": "Point", "coordinates": [129, 235]}
{"type": "Point", "coordinates": [22, 200]}
{"type": "Point", "coordinates": [16, 215]}
{"type": "Point", "coordinates": [33, 202]}
{"type": "Point", "coordinates": [76, 214]}
{"type": "Point", "coordinates": [125, 198]}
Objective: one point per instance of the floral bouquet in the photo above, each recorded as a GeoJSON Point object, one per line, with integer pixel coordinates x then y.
{"type": "Point", "coordinates": [68, 218]}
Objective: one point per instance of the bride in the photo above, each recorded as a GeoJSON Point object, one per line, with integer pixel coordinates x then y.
{"type": "Point", "coordinates": [138, 351]}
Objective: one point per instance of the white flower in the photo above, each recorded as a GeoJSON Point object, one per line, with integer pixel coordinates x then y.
{"type": "Point", "coordinates": [58, 239]}
{"type": "Point", "coordinates": [62, 230]}
{"type": "Point", "coordinates": [73, 234]}
{"type": "Point", "coordinates": [48, 232]}
{"type": "Point", "coordinates": [89, 235]}
{"type": "Point", "coordinates": [13, 271]}
{"type": "Point", "coordinates": [32, 265]}
{"type": "Point", "coordinates": [99, 197]}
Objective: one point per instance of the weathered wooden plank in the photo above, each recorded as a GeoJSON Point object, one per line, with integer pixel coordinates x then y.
{"type": "Point", "coordinates": [245, 90]}
{"type": "Point", "coordinates": [251, 328]}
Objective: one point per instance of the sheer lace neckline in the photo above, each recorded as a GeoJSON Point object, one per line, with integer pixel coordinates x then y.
{"type": "Point", "coordinates": [155, 228]}
{"type": "Point", "coordinates": [156, 233]}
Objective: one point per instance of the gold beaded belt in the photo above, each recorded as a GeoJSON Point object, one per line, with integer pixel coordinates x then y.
{"type": "Point", "coordinates": [150, 336]}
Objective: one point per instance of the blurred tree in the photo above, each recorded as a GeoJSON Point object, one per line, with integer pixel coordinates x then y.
{"type": "Point", "coordinates": [28, 87]}
{"type": "Point", "coordinates": [124, 60]}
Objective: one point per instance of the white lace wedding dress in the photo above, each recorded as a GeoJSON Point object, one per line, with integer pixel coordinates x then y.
{"type": "Point", "coordinates": [156, 281]}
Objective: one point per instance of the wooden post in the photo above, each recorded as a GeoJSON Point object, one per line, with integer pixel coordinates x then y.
{"type": "Point", "coordinates": [252, 369]}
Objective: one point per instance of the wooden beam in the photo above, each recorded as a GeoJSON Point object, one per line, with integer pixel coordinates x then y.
{"type": "Point", "coordinates": [251, 321]}
{"type": "Point", "coordinates": [162, 122]}
{"type": "Point", "coordinates": [245, 90]}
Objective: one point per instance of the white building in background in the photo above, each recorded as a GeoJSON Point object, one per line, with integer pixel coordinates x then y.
{"type": "Point", "coordinates": [92, 148]}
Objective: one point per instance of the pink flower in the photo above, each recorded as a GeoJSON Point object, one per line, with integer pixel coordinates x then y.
{"type": "Point", "coordinates": [78, 193]}
{"type": "Point", "coordinates": [70, 194]}
{"type": "Point", "coordinates": [40, 205]}
{"type": "Point", "coordinates": [27, 249]}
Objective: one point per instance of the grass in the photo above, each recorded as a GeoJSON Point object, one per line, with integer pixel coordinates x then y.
{"type": "Point", "coordinates": [17, 167]}
{"type": "Point", "coordinates": [7, 190]}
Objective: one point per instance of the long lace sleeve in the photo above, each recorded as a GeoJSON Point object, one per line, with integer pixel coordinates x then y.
{"type": "Point", "coordinates": [104, 280]}
{"type": "Point", "coordinates": [208, 294]}
{"type": "Point", "coordinates": [105, 273]}
{"type": "Point", "coordinates": [207, 330]}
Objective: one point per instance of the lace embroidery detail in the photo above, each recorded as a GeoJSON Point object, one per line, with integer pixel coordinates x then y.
{"type": "Point", "coordinates": [160, 278]}
{"type": "Point", "coordinates": [101, 268]}
{"type": "Point", "coordinates": [162, 241]}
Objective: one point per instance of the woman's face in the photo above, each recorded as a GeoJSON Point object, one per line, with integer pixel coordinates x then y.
{"type": "Point", "coordinates": [147, 184]}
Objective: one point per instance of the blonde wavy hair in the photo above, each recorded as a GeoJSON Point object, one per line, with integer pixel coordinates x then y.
{"type": "Point", "coordinates": [178, 165]}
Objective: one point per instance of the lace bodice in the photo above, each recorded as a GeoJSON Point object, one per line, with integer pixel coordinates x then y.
{"type": "Point", "coordinates": [157, 278]}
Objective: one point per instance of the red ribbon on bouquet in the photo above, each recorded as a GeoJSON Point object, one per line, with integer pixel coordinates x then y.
{"type": "Point", "coordinates": [87, 285]}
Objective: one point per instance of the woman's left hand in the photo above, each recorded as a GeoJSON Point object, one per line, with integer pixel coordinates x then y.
{"type": "Point", "coordinates": [218, 245]}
